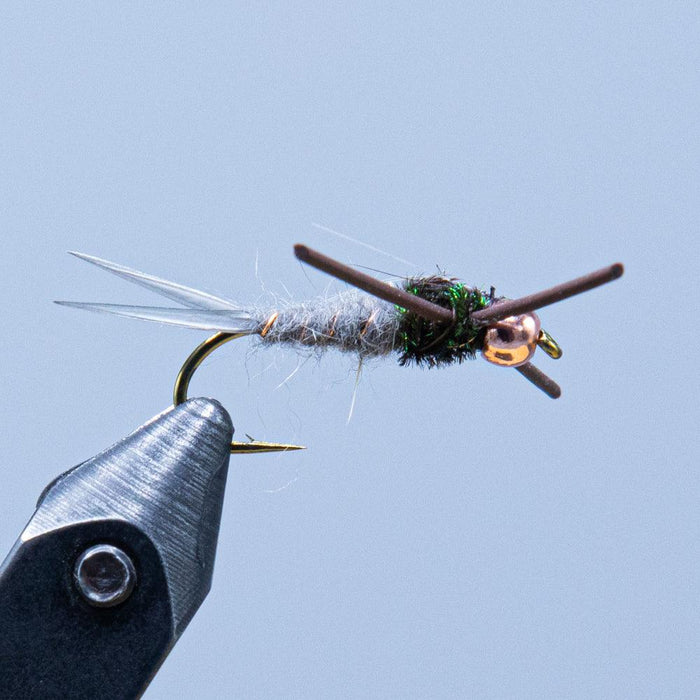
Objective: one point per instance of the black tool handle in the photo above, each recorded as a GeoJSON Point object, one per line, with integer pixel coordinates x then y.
{"type": "Point", "coordinates": [54, 644]}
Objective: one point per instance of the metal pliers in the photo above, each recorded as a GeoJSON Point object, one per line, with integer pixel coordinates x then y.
{"type": "Point", "coordinates": [115, 561]}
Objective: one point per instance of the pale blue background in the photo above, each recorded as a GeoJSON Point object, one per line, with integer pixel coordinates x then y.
{"type": "Point", "coordinates": [462, 536]}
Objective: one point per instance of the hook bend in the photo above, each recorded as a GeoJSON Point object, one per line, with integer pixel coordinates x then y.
{"type": "Point", "coordinates": [182, 383]}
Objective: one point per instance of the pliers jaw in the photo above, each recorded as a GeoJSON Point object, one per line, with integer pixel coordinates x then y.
{"type": "Point", "coordinates": [116, 560]}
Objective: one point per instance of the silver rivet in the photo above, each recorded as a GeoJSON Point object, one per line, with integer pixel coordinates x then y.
{"type": "Point", "coordinates": [104, 575]}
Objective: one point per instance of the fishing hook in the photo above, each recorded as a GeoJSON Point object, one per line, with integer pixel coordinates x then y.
{"type": "Point", "coordinates": [182, 383]}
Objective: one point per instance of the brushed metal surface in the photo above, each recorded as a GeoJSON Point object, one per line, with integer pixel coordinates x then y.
{"type": "Point", "coordinates": [168, 479]}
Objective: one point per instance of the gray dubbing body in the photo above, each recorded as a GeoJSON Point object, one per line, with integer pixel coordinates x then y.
{"type": "Point", "coordinates": [351, 321]}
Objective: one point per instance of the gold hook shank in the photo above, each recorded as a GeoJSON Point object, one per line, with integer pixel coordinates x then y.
{"type": "Point", "coordinates": [182, 383]}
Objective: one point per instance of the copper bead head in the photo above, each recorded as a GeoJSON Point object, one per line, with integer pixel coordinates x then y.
{"type": "Point", "coordinates": [512, 341]}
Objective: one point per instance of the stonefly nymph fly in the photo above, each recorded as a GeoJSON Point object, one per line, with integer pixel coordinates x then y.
{"type": "Point", "coordinates": [429, 321]}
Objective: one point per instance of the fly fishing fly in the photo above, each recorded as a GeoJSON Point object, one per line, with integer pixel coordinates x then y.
{"type": "Point", "coordinates": [428, 321]}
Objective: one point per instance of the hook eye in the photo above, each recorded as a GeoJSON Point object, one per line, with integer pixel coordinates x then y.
{"type": "Point", "coordinates": [549, 345]}
{"type": "Point", "coordinates": [182, 383]}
